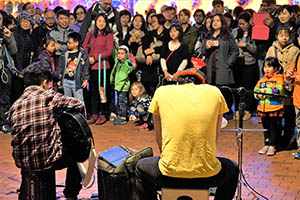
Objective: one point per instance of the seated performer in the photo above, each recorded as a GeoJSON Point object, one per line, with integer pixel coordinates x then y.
{"type": "Point", "coordinates": [36, 134]}
{"type": "Point", "coordinates": [187, 120]}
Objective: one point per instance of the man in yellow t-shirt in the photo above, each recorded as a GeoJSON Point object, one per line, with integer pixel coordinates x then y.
{"type": "Point", "coordinates": [187, 119]}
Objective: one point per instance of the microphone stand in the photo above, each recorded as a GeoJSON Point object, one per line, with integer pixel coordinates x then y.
{"type": "Point", "coordinates": [242, 92]}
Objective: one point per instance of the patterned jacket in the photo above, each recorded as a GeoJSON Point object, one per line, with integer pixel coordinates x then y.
{"type": "Point", "coordinates": [271, 85]}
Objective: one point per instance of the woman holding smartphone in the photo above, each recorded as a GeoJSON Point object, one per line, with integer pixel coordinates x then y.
{"type": "Point", "coordinates": [220, 54]}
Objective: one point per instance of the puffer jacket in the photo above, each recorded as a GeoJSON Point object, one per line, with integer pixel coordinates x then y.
{"type": "Point", "coordinates": [270, 85]}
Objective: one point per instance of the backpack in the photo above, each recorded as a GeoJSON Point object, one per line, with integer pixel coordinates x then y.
{"type": "Point", "coordinates": [116, 172]}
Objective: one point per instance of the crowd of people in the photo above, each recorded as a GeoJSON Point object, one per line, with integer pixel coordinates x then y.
{"type": "Point", "coordinates": [113, 61]}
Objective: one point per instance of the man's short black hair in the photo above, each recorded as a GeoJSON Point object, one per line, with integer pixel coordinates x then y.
{"type": "Point", "coordinates": [63, 12]}
{"type": "Point", "coordinates": [35, 74]}
{"type": "Point", "coordinates": [75, 36]}
{"type": "Point", "coordinates": [218, 2]}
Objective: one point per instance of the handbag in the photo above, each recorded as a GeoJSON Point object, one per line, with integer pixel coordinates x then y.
{"type": "Point", "coordinates": [140, 56]}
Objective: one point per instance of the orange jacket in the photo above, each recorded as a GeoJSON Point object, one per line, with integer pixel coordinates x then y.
{"type": "Point", "coordinates": [296, 93]}
{"type": "Point", "coordinates": [270, 85]}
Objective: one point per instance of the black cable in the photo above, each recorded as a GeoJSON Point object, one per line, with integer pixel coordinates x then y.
{"type": "Point", "coordinates": [245, 182]}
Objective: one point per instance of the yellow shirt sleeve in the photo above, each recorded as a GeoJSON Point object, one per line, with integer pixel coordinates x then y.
{"type": "Point", "coordinates": [223, 106]}
{"type": "Point", "coordinates": [154, 108]}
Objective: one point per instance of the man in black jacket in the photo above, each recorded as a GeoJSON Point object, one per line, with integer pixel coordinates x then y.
{"type": "Point", "coordinates": [102, 6]}
{"type": "Point", "coordinates": [7, 41]}
{"type": "Point", "coordinates": [41, 31]}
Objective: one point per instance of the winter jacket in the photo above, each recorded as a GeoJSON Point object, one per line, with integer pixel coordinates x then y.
{"type": "Point", "coordinates": [270, 85]}
{"type": "Point", "coordinates": [249, 50]}
{"type": "Point", "coordinates": [119, 75]}
{"type": "Point", "coordinates": [60, 36]}
{"type": "Point", "coordinates": [82, 68]}
{"type": "Point", "coordinates": [226, 54]}
{"type": "Point", "coordinates": [296, 92]}
{"type": "Point", "coordinates": [285, 55]}
{"type": "Point", "coordinates": [47, 62]}
{"type": "Point", "coordinates": [103, 44]}
{"type": "Point", "coordinates": [37, 36]}
{"type": "Point", "coordinates": [24, 45]}
{"type": "Point", "coordinates": [189, 38]}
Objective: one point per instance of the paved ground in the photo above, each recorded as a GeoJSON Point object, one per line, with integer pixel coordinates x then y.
{"type": "Point", "coordinates": [276, 177]}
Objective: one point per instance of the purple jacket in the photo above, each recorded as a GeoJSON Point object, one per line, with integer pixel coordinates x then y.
{"type": "Point", "coordinates": [47, 62]}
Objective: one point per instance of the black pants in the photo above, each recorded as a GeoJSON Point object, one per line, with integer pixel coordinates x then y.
{"type": "Point", "coordinates": [95, 104]}
{"type": "Point", "coordinates": [149, 77]}
{"type": "Point", "coordinates": [248, 78]}
{"type": "Point", "coordinates": [73, 177]}
{"type": "Point", "coordinates": [5, 96]}
{"type": "Point", "coordinates": [289, 117]}
{"type": "Point", "coordinates": [148, 176]}
{"type": "Point", "coordinates": [274, 126]}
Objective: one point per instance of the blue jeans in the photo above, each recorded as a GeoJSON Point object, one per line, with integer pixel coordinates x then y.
{"type": "Point", "coordinates": [148, 176]}
{"type": "Point", "coordinates": [70, 90]}
{"type": "Point", "coordinates": [122, 102]}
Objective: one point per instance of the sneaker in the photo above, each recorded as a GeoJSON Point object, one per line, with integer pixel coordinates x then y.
{"type": "Point", "coordinates": [112, 117]}
{"type": "Point", "coordinates": [5, 129]}
{"type": "Point", "coordinates": [264, 150]}
{"type": "Point", "coordinates": [297, 155]}
{"type": "Point", "coordinates": [271, 151]}
{"type": "Point", "coordinates": [119, 121]}
{"type": "Point", "coordinates": [143, 127]}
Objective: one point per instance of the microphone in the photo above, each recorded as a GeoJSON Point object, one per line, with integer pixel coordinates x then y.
{"type": "Point", "coordinates": [242, 91]}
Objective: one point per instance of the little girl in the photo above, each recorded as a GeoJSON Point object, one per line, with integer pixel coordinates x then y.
{"type": "Point", "coordinates": [270, 108]}
{"type": "Point", "coordinates": [45, 57]}
{"type": "Point", "coordinates": [140, 103]}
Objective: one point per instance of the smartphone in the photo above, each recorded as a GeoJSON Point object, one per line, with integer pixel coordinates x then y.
{"type": "Point", "coordinates": [215, 43]}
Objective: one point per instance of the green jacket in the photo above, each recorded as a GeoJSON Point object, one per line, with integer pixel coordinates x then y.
{"type": "Point", "coordinates": [119, 76]}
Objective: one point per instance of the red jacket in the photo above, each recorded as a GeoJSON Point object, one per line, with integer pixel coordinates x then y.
{"type": "Point", "coordinates": [103, 44]}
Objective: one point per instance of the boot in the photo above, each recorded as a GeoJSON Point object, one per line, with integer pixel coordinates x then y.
{"type": "Point", "coordinates": [93, 119]}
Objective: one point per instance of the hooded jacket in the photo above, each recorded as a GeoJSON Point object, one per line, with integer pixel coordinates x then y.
{"type": "Point", "coordinates": [119, 74]}
{"type": "Point", "coordinates": [285, 55]}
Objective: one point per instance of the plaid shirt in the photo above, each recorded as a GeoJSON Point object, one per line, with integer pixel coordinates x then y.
{"type": "Point", "coordinates": [36, 134]}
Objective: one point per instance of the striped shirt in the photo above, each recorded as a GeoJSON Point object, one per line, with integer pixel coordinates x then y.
{"type": "Point", "coordinates": [36, 134]}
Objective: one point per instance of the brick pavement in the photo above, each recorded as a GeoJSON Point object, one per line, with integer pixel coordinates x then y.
{"type": "Point", "coordinates": [276, 177]}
